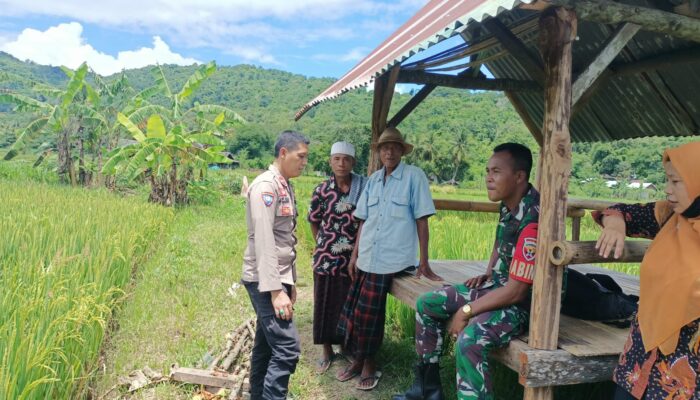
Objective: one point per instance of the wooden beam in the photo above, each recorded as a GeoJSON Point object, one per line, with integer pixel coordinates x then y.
{"type": "Point", "coordinates": [542, 368]}
{"type": "Point", "coordinates": [530, 124]}
{"type": "Point", "coordinates": [557, 34]}
{"type": "Point", "coordinates": [654, 63]}
{"type": "Point", "coordinates": [426, 90]}
{"type": "Point", "coordinates": [589, 204]}
{"type": "Point", "coordinates": [517, 49]}
{"type": "Point", "coordinates": [661, 61]}
{"type": "Point", "coordinates": [411, 105]}
{"type": "Point", "coordinates": [652, 20]}
{"type": "Point", "coordinates": [610, 49]}
{"type": "Point", "coordinates": [574, 252]}
{"type": "Point", "coordinates": [463, 82]}
{"type": "Point", "coordinates": [383, 93]}
{"type": "Point", "coordinates": [203, 377]}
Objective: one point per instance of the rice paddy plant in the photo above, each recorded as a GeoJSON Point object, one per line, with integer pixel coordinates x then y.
{"type": "Point", "coordinates": [66, 256]}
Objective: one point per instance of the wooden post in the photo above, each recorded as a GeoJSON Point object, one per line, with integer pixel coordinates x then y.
{"type": "Point", "coordinates": [557, 33]}
{"type": "Point", "coordinates": [576, 228]}
{"type": "Point", "coordinates": [383, 93]}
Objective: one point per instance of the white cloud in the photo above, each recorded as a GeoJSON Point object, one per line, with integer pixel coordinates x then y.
{"type": "Point", "coordinates": [252, 54]}
{"type": "Point", "coordinates": [217, 23]}
{"type": "Point", "coordinates": [353, 55]}
{"type": "Point", "coordinates": [64, 45]}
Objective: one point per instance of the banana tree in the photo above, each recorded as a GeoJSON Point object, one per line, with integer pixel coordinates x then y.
{"type": "Point", "coordinates": [168, 157]}
{"type": "Point", "coordinates": [69, 114]}
{"type": "Point", "coordinates": [179, 142]}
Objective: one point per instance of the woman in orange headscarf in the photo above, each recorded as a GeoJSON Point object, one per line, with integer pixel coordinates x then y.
{"type": "Point", "coordinates": [661, 359]}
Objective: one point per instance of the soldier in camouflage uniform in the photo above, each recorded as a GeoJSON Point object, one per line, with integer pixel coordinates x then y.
{"type": "Point", "coordinates": [491, 309]}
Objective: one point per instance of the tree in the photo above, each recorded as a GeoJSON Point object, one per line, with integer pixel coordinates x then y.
{"type": "Point", "coordinates": [179, 142]}
{"type": "Point", "coordinates": [69, 116]}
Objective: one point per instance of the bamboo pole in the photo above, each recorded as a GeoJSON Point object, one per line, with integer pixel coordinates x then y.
{"type": "Point", "coordinates": [557, 33]}
{"type": "Point", "coordinates": [482, 206]}
{"type": "Point", "coordinates": [573, 252]}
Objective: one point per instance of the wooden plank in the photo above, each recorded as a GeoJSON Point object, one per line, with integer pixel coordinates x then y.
{"type": "Point", "coordinates": [517, 48]}
{"type": "Point", "coordinates": [566, 252]}
{"type": "Point", "coordinates": [458, 271]}
{"type": "Point", "coordinates": [557, 33]}
{"type": "Point", "coordinates": [590, 338]}
{"type": "Point", "coordinates": [203, 377]}
{"type": "Point", "coordinates": [652, 20]}
{"type": "Point", "coordinates": [463, 82]}
{"type": "Point", "coordinates": [610, 49]}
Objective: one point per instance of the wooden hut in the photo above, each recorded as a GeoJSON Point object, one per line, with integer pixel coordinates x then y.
{"type": "Point", "coordinates": [581, 70]}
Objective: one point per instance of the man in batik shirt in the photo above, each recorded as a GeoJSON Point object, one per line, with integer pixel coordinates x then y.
{"type": "Point", "coordinates": [489, 310]}
{"type": "Point", "coordinates": [335, 230]}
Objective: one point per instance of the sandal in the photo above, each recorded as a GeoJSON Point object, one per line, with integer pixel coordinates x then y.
{"type": "Point", "coordinates": [374, 381]}
{"type": "Point", "coordinates": [347, 374]}
{"type": "Point", "coordinates": [323, 365]}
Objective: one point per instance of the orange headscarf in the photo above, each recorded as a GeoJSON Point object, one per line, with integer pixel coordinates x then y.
{"type": "Point", "coordinates": [669, 291]}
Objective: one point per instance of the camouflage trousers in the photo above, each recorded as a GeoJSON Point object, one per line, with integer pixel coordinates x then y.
{"type": "Point", "coordinates": [484, 333]}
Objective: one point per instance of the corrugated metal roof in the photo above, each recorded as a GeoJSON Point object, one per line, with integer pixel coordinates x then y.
{"type": "Point", "coordinates": [436, 21]}
{"type": "Point", "coordinates": [660, 102]}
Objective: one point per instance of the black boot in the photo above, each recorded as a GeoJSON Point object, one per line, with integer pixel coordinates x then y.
{"type": "Point", "coordinates": [426, 384]}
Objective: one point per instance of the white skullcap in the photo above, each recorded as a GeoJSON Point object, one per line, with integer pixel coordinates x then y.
{"type": "Point", "coordinates": [343, 148]}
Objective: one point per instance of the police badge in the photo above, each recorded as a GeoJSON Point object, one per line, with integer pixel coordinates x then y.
{"type": "Point", "coordinates": [267, 198]}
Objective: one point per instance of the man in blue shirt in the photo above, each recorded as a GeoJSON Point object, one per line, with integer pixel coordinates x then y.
{"type": "Point", "coordinates": [393, 209]}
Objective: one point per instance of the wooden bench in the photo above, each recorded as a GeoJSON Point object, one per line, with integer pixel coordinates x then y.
{"type": "Point", "coordinates": [587, 351]}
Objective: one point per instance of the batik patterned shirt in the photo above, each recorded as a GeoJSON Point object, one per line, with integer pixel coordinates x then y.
{"type": "Point", "coordinates": [333, 210]}
{"type": "Point", "coordinates": [652, 374]}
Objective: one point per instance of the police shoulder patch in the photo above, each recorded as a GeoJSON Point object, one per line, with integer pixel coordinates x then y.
{"type": "Point", "coordinates": [268, 198]}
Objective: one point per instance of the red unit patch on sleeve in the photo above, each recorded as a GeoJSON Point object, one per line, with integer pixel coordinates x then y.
{"type": "Point", "coordinates": [522, 267]}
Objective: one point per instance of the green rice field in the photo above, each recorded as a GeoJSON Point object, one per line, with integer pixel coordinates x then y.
{"type": "Point", "coordinates": [97, 284]}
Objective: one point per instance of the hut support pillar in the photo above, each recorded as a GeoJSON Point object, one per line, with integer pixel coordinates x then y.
{"type": "Point", "coordinates": [557, 33]}
{"type": "Point", "coordinates": [383, 93]}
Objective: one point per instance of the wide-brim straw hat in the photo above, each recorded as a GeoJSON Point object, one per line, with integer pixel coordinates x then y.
{"type": "Point", "coordinates": [392, 135]}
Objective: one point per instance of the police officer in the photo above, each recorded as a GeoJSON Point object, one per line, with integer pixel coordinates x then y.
{"type": "Point", "coordinates": [269, 268]}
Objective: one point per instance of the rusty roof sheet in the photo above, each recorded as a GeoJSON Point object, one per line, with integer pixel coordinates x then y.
{"type": "Point", "coordinates": [436, 21]}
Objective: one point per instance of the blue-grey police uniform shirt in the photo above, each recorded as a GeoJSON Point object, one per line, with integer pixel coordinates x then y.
{"type": "Point", "coordinates": [389, 237]}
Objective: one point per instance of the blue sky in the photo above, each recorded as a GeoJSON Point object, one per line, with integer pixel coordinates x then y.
{"type": "Point", "coordinates": [310, 37]}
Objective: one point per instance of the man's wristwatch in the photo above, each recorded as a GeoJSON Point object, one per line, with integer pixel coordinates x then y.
{"type": "Point", "coordinates": [467, 310]}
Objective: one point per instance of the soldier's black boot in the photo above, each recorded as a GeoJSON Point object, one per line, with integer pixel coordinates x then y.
{"type": "Point", "coordinates": [426, 384]}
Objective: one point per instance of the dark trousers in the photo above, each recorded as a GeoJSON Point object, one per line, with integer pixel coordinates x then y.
{"type": "Point", "coordinates": [276, 350]}
{"type": "Point", "coordinates": [622, 394]}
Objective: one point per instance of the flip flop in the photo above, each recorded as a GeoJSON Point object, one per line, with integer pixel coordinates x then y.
{"type": "Point", "coordinates": [323, 365]}
{"type": "Point", "coordinates": [375, 381]}
{"type": "Point", "coordinates": [347, 374]}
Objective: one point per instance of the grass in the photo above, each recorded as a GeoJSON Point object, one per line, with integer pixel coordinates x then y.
{"type": "Point", "coordinates": [65, 257]}
{"type": "Point", "coordinates": [178, 308]}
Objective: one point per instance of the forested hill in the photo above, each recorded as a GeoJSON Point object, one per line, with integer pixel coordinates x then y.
{"type": "Point", "coordinates": [453, 130]}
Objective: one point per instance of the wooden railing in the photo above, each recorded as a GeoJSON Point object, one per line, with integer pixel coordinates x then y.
{"type": "Point", "coordinates": [576, 209]}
